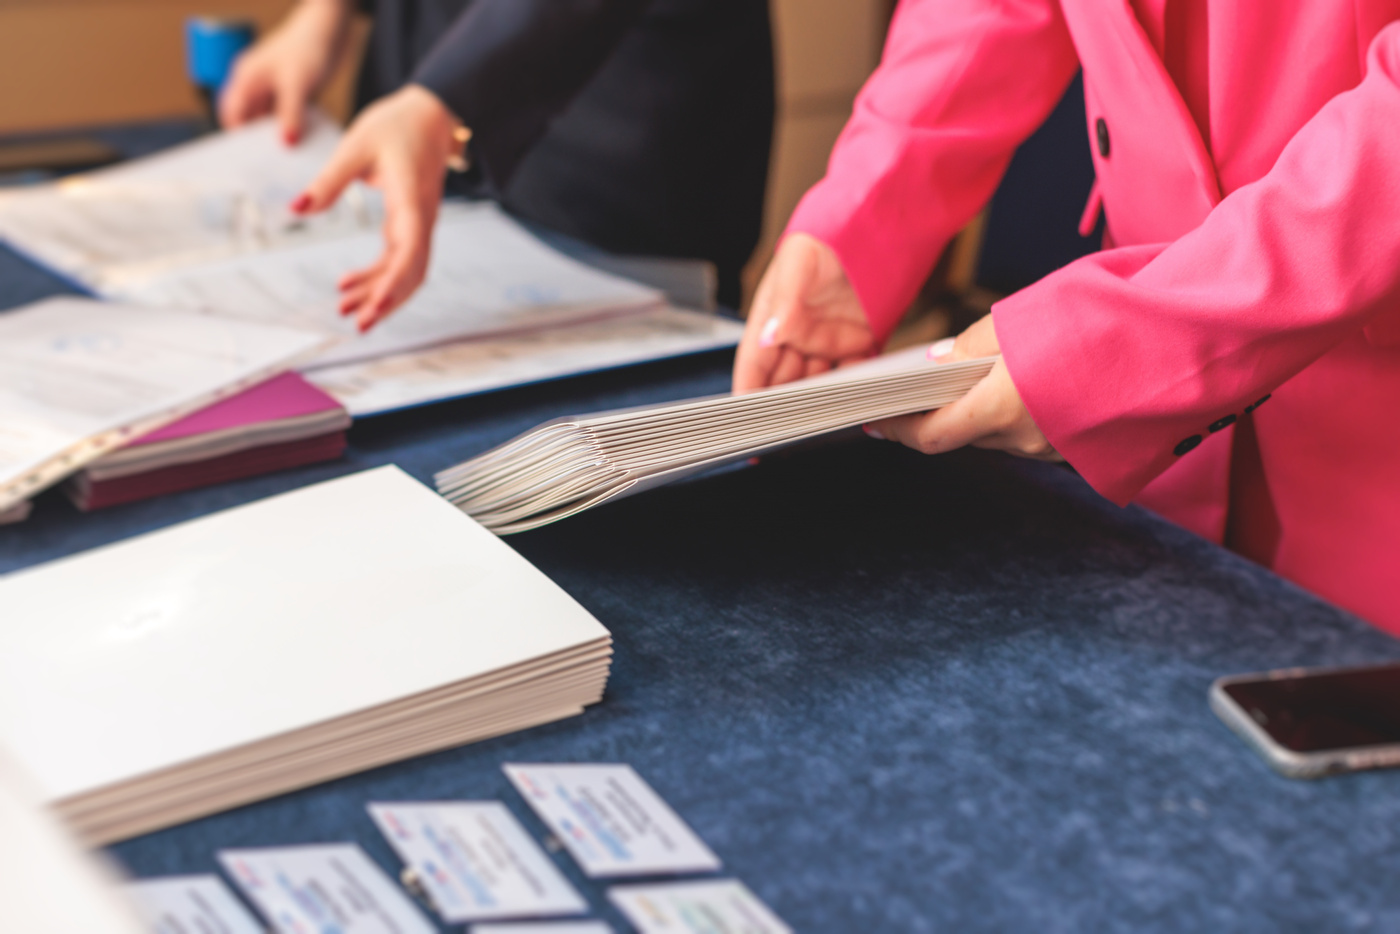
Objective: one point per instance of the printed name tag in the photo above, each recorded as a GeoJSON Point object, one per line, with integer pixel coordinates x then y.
{"type": "Point", "coordinates": [191, 905]}
{"type": "Point", "coordinates": [324, 889]}
{"type": "Point", "coordinates": [704, 907]}
{"type": "Point", "coordinates": [476, 861]}
{"type": "Point", "coordinates": [610, 819]}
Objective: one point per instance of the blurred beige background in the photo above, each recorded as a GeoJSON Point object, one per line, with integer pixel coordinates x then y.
{"type": "Point", "coordinates": [73, 63]}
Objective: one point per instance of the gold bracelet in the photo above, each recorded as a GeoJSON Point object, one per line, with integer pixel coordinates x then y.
{"type": "Point", "coordinates": [457, 159]}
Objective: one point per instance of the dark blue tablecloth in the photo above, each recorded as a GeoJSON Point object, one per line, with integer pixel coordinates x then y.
{"type": "Point", "coordinates": [894, 693]}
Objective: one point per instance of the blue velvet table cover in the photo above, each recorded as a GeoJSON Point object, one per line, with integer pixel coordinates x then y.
{"type": "Point", "coordinates": [893, 692]}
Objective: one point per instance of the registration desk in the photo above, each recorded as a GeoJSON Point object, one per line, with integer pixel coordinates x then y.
{"type": "Point", "coordinates": [892, 692]}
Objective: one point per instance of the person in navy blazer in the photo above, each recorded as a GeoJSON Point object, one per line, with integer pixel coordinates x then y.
{"type": "Point", "coordinates": [641, 126]}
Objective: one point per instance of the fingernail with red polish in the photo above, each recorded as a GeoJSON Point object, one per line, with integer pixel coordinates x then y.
{"type": "Point", "coordinates": [874, 433]}
{"type": "Point", "coordinates": [769, 332]}
{"type": "Point", "coordinates": [300, 203]}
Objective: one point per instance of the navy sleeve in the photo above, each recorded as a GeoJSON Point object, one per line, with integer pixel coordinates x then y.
{"type": "Point", "coordinates": [507, 67]}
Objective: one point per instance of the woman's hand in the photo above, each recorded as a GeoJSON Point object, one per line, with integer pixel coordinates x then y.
{"type": "Point", "coordinates": [401, 145]}
{"type": "Point", "coordinates": [285, 71]}
{"type": "Point", "coordinates": [805, 318]}
{"type": "Point", "coordinates": [991, 415]}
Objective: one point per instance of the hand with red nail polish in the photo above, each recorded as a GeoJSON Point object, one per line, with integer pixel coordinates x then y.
{"type": "Point", "coordinates": [285, 71]}
{"type": "Point", "coordinates": [400, 144]}
{"type": "Point", "coordinates": [805, 318]}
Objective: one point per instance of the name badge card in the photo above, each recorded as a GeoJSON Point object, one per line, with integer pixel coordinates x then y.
{"type": "Point", "coordinates": [611, 820]}
{"type": "Point", "coordinates": [327, 889]}
{"type": "Point", "coordinates": [476, 861]}
{"type": "Point", "coordinates": [544, 927]}
{"type": "Point", "coordinates": [696, 908]}
{"type": "Point", "coordinates": [190, 905]}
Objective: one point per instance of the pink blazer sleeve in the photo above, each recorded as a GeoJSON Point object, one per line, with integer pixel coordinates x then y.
{"type": "Point", "coordinates": [1125, 356]}
{"type": "Point", "coordinates": [961, 84]}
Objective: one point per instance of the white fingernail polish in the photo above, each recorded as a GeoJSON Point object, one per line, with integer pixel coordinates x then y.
{"type": "Point", "coordinates": [770, 330]}
{"type": "Point", "coordinates": [941, 348]}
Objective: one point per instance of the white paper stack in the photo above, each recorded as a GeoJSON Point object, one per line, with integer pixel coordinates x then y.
{"type": "Point", "coordinates": [80, 378]}
{"type": "Point", "coordinates": [571, 464]}
{"type": "Point", "coordinates": [277, 645]}
{"type": "Point", "coordinates": [48, 885]}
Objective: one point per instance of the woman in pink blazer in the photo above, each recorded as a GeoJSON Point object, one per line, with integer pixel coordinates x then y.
{"type": "Point", "coordinates": [1231, 359]}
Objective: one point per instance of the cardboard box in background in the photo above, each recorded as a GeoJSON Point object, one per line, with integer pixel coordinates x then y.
{"type": "Point", "coordinates": [82, 63]}
{"type": "Point", "coordinates": [824, 51]}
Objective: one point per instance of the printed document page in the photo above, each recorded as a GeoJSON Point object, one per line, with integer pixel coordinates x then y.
{"type": "Point", "coordinates": [78, 378]}
{"type": "Point", "coordinates": [469, 367]}
{"type": "Point", "coordinates": [487, 276]}
{"type": "Point", "coordinates": [220, 196]}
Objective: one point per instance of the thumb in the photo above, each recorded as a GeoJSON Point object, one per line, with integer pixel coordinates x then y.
{"type": "Point", "coordinates": [791, 281]}
{"type": "Point", "coordinates": [979, 340]}
{"type": "Point", "coordinates": [346, 164]}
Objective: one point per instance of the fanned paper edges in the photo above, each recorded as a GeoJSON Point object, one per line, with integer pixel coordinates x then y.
{"type": "Point", "coordinates": [571, 464]}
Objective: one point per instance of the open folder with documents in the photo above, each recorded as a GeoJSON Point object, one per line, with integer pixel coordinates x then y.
{"type": "Point", "coordinates": [279, 644]}
{"type": "Point", "coordinates": [571, 464]}
{"type": "Point", "coordinates": [205, 227]}
{"type": "Point", "coordinates": [80, 378]}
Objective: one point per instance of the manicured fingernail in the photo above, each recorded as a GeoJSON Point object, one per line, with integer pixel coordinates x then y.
{"type": "Point", "coordinates": [770, 331]}
{"type": "Point", "coordinates": [872, 432]}
{"type": "Point", "coordinates": [941, 348]}
{"type": "Point", "coordinates": [300, 203]}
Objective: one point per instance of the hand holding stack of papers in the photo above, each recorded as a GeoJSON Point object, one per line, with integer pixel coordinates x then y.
{"type": "Point", "coordinates": [276, 645]}
{"type": "Point", "coordinates": [571, 464]}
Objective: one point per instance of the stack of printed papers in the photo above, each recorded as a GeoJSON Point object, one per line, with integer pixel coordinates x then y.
{"type": "Point", "coordinates": [79, 379]}
{"type": "Point", "coordinates": [571, 464]}
{"type": "Point", "coordinates": [276, 645]}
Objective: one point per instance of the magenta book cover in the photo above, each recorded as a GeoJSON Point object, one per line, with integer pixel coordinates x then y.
{"type": "Point", "coordinates": [284, 396]}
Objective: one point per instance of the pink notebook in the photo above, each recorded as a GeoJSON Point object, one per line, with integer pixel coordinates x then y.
{"type": "Point", "coordinates": [282, 397]}
{"type": "Point", "coordinates": [284, 422]}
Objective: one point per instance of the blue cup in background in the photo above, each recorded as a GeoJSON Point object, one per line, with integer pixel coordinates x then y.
{"type": "Point", "coordinates": [211, 46]}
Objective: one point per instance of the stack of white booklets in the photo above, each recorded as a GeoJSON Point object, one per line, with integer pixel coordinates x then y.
{"type": "Point", "coordinates": [571, 464]}
{"type": "Point", "coordinates": [276, 645]}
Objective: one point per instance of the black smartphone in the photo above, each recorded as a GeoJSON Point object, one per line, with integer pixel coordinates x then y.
{"type": "Point", "coordinates": [1311, 722]}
